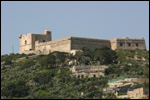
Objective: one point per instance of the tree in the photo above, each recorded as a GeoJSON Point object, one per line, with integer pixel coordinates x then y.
{"type": "Point", "coordinates": [87, 52]}
{"type": "Point", "coordinates": [49, 60]}
{"type": "Point", "coordinates": [70, 56]}
{"type": "Point", "coordinates": [85, 49]}
{"type": "Point", "coordinates": [78, 55]}
{"type": "Point", "coordinates": [60, 57]}
{"type": "Point", "coordinates": [87, 62]}
{"type": "Point", "coordinates": [44, 78]}
{"type": "Point", "coordinates": [8, 62]}
{"type": "Point", "coordinates": [105, 55]}
{"type": "Point", "coordinates": [8, 89]}
{"type": "Point", "coordinates": [27, 64]}
{"type": "Point", "coordinates": [126, 68]}
{"type": "Point", "coordinates": [108, 71]}
{"type": "Point", "coordinates": [18, 89]}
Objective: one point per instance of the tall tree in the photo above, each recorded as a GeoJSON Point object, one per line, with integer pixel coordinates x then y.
{"type": "Point", "coordinates": [105, 55]}
{"type": "Point", "coordinates": [60, 57]}
{"type": "Point", "coordinates": [49, 60]}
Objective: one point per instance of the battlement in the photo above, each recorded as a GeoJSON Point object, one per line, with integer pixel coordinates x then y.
{"type": "Point", "coordinates": [82, 38]}
{"type": "Point", "coordinates": [126, 38]}
{"type": "Point", "coordinates": [129, 39]}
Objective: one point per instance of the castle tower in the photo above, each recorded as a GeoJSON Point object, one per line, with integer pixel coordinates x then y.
{"type": "Point", "coordinates": [127, 43]}
{"type": "Point", "coordinates": [49, 35]}
{"type": "Point", "coordinates": [27, 41]}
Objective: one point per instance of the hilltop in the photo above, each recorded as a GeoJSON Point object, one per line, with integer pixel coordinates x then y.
{"type": "Point", "coordinates": [49, 76]}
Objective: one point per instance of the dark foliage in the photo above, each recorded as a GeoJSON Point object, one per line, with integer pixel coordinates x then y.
{"type": "Point", "coordinates": [18, 89]}
{"type": "Point", "coordinates": [49, 60]}
{"type": "Point", "coordinates": [27, 64]}
{"type": "Point", "coordinates": [44, 78]}
{"type": "Point", "coordinates": [8, 62]}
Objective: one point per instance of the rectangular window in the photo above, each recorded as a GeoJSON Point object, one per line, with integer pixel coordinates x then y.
{"type": "Point", "coordinates": [82, 76]}
{"type": "Point", "coordinates": [78, 76]}
{"type": "Point", "coordinates": [137, 44]}
{"type": "Point", "coordinates": [25, 42]}
{"type": "Point", "coordinates": [121, 44]}
{"type": "Point", "coordinates": [129, 44]}
{"type": "Point", "coordinates": [146, 93]}
{"type": "Point", "coordinates": [94, 75]}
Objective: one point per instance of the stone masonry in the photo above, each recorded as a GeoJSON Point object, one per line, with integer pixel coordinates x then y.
{"type": "Point", "coordinates": [42, 43]}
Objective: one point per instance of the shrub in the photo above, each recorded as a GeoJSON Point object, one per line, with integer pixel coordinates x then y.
{"type": "Point", "coordinates": [31, 54]}
{"type": "Point", "coordinates": [49, 60]}
{"type": "Point", "coordinates": [15, 90]}
{"type": "Point", "coordinates": [8, 62]}
{"type": "Point", "coordinates": [44, 78]}
{"type": "Point", "coordinates": [27, 64]}
{"type": "Point", "coordinates": [11, 54]}
{"type": "Point", "coordinates": [87, 62]}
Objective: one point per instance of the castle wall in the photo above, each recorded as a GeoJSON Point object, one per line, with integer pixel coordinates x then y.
{"type": "Point", "coordinates": [138, 93]}
{"type": "Point", "coordinates": [140, 80]}
{"type": "Point", "coordinates": [62, 45]}
{"type": "Point", "coordinates": [127, 44]}
{"type": "Point", "coordinates": [32, 51]}
{"type": "Point", "coordinates": [78, 43]}
{"type": "Point", "coordinates": [41, 43]}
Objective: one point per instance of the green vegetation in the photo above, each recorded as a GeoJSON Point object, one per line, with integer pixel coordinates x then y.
{"type": "Point", "coordinates": [105, 55]}
{"type": "Point", "coordinates": [19, 89]}
{"type": "Point", "coordinates": [122, 93]}
{"type": "Point", "coordinates": [8, 62]}
{"type": "Point", "coordinates": [14, 56]}
{"type": "Point", "coordinates": [48, 76]}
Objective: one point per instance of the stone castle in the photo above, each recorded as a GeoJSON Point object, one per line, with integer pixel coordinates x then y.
{"type": "Point", "coordinates": [42, 43]}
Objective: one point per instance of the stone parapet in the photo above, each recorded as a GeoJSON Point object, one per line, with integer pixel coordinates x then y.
{"type": "Point", "coordinates": [81, 38]}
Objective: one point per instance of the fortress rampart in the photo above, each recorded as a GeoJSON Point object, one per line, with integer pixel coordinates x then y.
{"type": "Point", "coordinates": [78, 43]}
{"type": "Point", "coordinates": [42, 43]}
{"type": "Point", "coordinates": [62, 45]}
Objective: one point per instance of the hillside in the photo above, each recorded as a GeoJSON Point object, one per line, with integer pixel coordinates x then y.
{"type": "Point", "coordinates": [48, 76]}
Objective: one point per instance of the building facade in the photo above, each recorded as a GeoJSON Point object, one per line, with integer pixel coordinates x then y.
{"type": "Point", "coordinates": [42, 43]}
{"type": "Point", "coordinates": [88, 71]}
{"type": "Point", "coordinates": [138, 93]}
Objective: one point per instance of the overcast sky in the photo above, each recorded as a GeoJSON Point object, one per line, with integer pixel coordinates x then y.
{"type": "Point", "coordinates": [91, 19]}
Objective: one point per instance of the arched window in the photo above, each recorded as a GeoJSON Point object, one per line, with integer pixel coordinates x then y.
{"type": "Point", "coordinates": [25, 41]}
{"type": "Point", "coordinates": [43, 40]}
